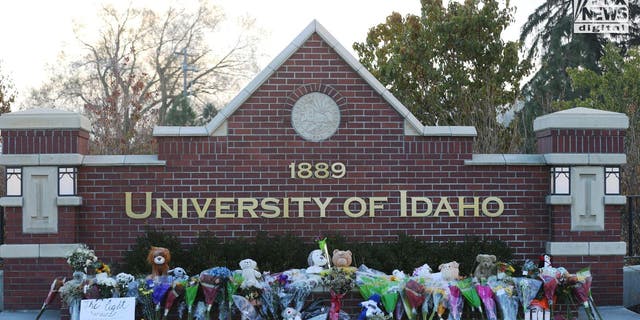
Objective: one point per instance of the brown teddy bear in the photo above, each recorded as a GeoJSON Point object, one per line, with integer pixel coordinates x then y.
{"type": "Point", "coordinates": [159, 259]}
{"type": "Point", "coordinates": [486, 266]}
{"type": "Point", "coordinates": [341, 258]}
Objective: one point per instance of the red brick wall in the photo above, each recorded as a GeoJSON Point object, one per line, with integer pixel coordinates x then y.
{"type": "Point", "coordinates": [44, 141]}
{"type": "Point", "coordinates": [581, 141]}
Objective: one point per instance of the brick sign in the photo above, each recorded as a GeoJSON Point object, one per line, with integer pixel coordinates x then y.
{"type": "Point", "coordinates": [314, 145]}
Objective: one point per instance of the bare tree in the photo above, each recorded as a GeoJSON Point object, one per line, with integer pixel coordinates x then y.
{"type": "Point", "coordinates": [139, 61]}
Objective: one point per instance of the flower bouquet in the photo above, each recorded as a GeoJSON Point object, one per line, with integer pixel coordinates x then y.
{"type": "Point", "coordinates": [527, 290]}
{"type": "Point", "coordinates": [191, 291]}
{"type": "Point", "coordinates": [506, 298]}
{"type": "Point", "coordinates": [123, 282]}
{"type": "Point", "coordinates": [212, 281]}
{"type": "Point", "coordinates": [72, 292]}
{"type": "Point", "coordinates": [413, 296]}
{"type": "Point", "coordinates": [486, 295]}
{"type": "Point", "coordinates": [469, 293]}
{"type": "Point", "coordinates": [81, 258]}
{"type": "Point", "coordinates": [339, 281]}
{"type": "Point", "coordinates": [549, 276]}
{"type": "Point", "coordinates": [582, 291]}
{"type": "Point", "coordinates": [455, 303]}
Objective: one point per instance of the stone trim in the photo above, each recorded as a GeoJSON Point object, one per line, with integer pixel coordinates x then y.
{"type": "Point", "coordinates": [68, 201]}
{"type": "Point", "coordinates": [506, 159]}
{"type": "Point", "coordinates": [581, 118]}
{"type": "Point", "coordinates": [122, 160]}
{"type": "Point", "coordinates": [615, 200]}
{"type": "Point", "coordinates": [44, 119]}
{"type": "Point", "coordinates": [586, 248]}
{"type": "Point", "coordinates": [50, 250]}
{"type": "Point", "coordinates": [55, 159]}
{"type": "Point", "coordinates": [587, 159]}
{"type": "Point", "coordinates": [559, 199]}
{"type": "Point", "coordinates": [76, 159]}
{"type": "Point", "coordinates": [11, 202]}
{"type": "Point", "coordinates": [415, 127]}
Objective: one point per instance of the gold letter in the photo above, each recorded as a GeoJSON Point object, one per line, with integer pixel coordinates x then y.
{"type": "Point", "coordinates": [172, 211]}
{"type": "Point", "coordinates": [475, 206]}
{"type": "Point", "coordinates": [265, 204]}
{"type": "Point", "coordinates": [129, 210]}
{"type": "Point", "coordinates": [300, 202]}
{"type": "Point", "coordinates": [347, 210]}
{"type": "Point", "coordinates": [485, 205]}
{"type": "Point", "coordinates": [250, 209]}
{"type": "Point", "coordinates": [201, 211]}
{"type": "Point", "coordinates": [322, 205]}
{"type": "Point", "coordinates": [414, 206]}
{"type": "Point", "coordinates": [444, 203]}
{"type": "Point", "coordinates": [373, 205]}
{"type": "Point", "coordinates": [285, 207]}
{"type": "Point", "coordinates": [220, 206]}
{"type": "Point", "coordinates": [403, 203]}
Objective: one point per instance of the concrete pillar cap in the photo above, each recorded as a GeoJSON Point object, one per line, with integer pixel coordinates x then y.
{"type": "Point", "coordinates": [581, 118]}
{"type": "Point", "coordinates": [44, 119]}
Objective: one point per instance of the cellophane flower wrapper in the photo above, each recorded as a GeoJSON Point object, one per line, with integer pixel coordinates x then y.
{"type": "Point", "coordinates": [413, 296]}
{"type": "Point", "coordinates": [247, 310]}
{"type": "Point", "coordinates": [440, 297]}
{"type": "Point", "coordinates": [211, 282]}
{"type": "Point", "coordinates": [506, 298]}
{"type": "Point", "coordinates": [160, 290]}
{"type": "Point", "coordinates": [424, 309]}
{"type": "Point", "coordinates": [549, 286]}
{"type": "Point", "coordinates": [527, 290]}
{"type": "Point", "coordinates": [455, 303]}
{"type": "Point", "coordinates": [389, 294]}
{"type": "Point", "coordinates": [301, 290]}
{"type": "Point", "coordinates": [190, 293]}
{"type": "Point", "coordinates": [486, 295]}
{"type": "Point", "coordinates": [176, 291]}
{"type": "Point", "coordinates": [469, 293]}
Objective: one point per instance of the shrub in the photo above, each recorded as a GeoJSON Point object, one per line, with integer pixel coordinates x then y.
{"type": "Point", "coordinates": [281, 252]}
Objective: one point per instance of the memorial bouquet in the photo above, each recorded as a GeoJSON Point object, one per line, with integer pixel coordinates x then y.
{"type": "Point", "coordinates": [81, 258]}
{"type": "Point", "coordinates": [72, 293]}
{"type": "Point", "coordinates": [212, 281]}
{"type": "Point", "coordinates": [339, 281]}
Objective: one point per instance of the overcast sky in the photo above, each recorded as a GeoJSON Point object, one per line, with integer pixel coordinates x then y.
{"type": "Point", "coordinates": [33, 32]}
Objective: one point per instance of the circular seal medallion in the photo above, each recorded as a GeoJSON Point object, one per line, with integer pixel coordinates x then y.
{"type": "Point", "coordinates": [315, 116]}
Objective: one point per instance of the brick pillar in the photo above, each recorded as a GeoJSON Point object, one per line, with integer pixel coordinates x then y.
{"type": "Point", "coordinates": [40, 217]}
{"type": "Point", "coordinates": [586, 146]}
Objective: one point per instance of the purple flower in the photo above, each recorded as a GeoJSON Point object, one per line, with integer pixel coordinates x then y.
{"type": "Point", "coordinates": [159, 291]}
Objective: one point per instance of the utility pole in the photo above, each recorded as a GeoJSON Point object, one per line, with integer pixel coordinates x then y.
{"type": "Point", "coordinates": [185, 68]}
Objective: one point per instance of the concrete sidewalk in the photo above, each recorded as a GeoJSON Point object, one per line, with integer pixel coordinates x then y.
{"type": "Point", "coordinates": [608, 313]}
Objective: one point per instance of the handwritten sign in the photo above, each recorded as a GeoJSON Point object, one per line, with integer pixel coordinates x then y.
{"type": "Point", "coordinates": [108, 309]}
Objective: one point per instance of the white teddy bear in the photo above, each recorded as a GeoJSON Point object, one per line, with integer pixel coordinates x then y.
{"type": "Point", "coordinates": [179, 274]}
{"type": "Point", "coordinates": [250, 274]}
{"type": "Point", "coordinates": [317, 261]}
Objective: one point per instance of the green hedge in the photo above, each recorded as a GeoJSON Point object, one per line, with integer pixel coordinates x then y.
{"type": "Point", "coordinates": [281, 252]}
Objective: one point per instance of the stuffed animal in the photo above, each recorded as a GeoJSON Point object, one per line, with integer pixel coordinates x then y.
{"type": "Point", "coordinates": [250, 274]}
{"type": "Point", "coordinates": [317, 261]}
{"type": "Point", "coordinates": [159, 259]}
{"type": "Point", "coordinates": [486, 266]}
{"type": "Point", "coordinates": [370, 308]}
{"type": "Point", "coordinates": [341, 258]}
{"type": "Point", "coordinates": [450, 271]}
{"type": "Point", "coordinates": [291, 314]}
{"type": "Point", "coordinates": [178, 274]}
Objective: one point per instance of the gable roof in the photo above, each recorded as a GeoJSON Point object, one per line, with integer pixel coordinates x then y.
{"type": "Point", "coordinates": [217, 126]}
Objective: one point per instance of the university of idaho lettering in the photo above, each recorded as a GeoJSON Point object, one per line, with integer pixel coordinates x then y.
{"type": "Point", "coordinates": [292, 207]}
